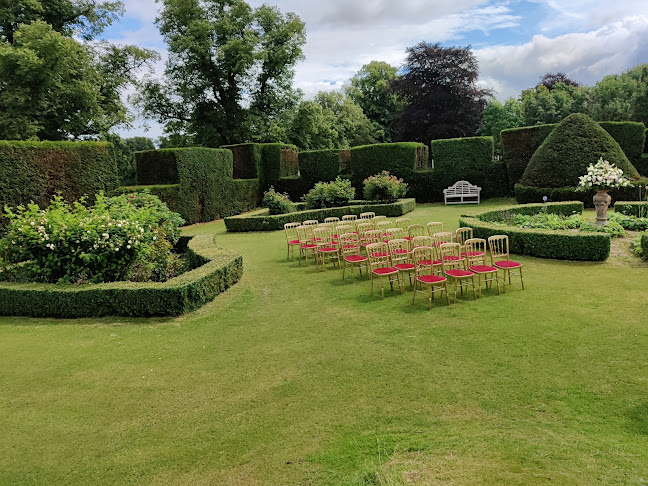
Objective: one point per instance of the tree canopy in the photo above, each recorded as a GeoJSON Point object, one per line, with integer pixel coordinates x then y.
{"type": "Point", "coordinates": [229, 72]}
{"type": "Point", "coordinates": [439, 87]}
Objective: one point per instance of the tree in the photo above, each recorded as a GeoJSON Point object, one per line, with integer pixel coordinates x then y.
{"type": "Point", "coordinates": [541, 105]}
{"type": "Point", "coordinates": [549, 80]}
{"type": "Point", "coordinates": [330, 121]}
{"type": "Point", "coordinates": [371, 90]}
{"type": "Point", "coordinates": [229, 71]}
{"type": "Point", "coordinates": [622, 97]}
{"type": "Point", "coordinates": [439, 86]}
{"type": "Point", "coordinates": [51, 85]}
{"type": "Point", "coordinates": [139, 144]}
{"type": "Point", "coordinates": [498, 117]}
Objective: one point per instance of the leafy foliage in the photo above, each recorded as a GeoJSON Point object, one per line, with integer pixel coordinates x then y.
{"type": "Point", "coordinates": [277, 202]}
{"type": "Point", "coordinates": [498, 117]}
{"type": "Point", "coordinates": [439, 87]}
{"type": "Point", "coordinates": [330, 194]}
{"type": "Point", "coordinates": [384, 187]}
{"type": "Point", "coordinates": [543, 105]}
{"type": "Point", "coordinates": [622, 97]}
{"type": "Point", "coordinates": [550, 80]}
{"type": "Point", "coordinates": [229, 71]}
{"type": "Point", "coordinates": [125, 237]}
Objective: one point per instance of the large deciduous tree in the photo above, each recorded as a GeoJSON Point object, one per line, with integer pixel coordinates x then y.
{"type": "Point", "coordinates": [543, 105]}
{"type": "Point", "coordinates": [439, 86]}
{"type": "Point", "coordinates": [229, 73]}
{"type": "Point", "coordinates": [622, 97]}
{"type": "Point", "coordinates": [371, 89]}
{"type": "Point", "coordinates": [54, 87]}
{"type": "Point", "coordinates": [498, 117]}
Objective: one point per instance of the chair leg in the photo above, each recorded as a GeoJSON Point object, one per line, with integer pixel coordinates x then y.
{"type": "Point", "coordinates": [521, 279]}
{"type": "Point", "coordinates": [445, 286]}
{"type": "Point", "coordinates": [473, 286]}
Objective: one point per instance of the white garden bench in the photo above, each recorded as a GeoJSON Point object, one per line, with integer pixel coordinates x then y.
{"type": "Point", "coordinates": [461, 192]}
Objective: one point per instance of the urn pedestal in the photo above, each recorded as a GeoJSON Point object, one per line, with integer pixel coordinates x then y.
{"type": "Point", "coordinates": [602, 201]}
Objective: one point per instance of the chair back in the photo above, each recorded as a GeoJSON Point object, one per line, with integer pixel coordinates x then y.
{"type": "Point", "coordinates": [332, 219]}
{"type": "Point", "coordinates": [367, 215]}
{"type": "Point", "coordinates": [450, 256]}
{"type": "Point", "coordinates": [379, 218]}
{"type": "Point", "coordinates": [305, 233]}
{"type": "Point", "coordinates": [434, 227]}
{"type": "Point", "coordinates": [415, 230]}
{"type": "Point", "coordinates": [323, 237]}
{"type": "Point", "coordinates": [343, 228]}
{"type": "Point", "coordinates": [372, 236]}
{"type": "Point", "coordinates": [330, 226]}
{"type": "Point", "coordinates": [422, 257]}
{"type": "Point", "coordinates": [393, 234]}
{"type": "Point", "coordinates": [442, 237]}
{"type": "Point", "coordinates": [291, 231]}
{"type": "Point", "coordinates": [378, 254]}
{"type": "Point", "coordinates": [463, 234]}
{"type": "Point", "coordinates": [348, 244]}
{"type": "Point", "coordinates": [419, 241]}
{"type": "Point", "coordinates": [403, 223]}
{"type": "Point", "coordinates": [383, 225]}
{"type": "Point", "coordinates": [310, 222]}
{"type": "Point", "coordinates": [398, 250]}
{"type": "Point", "coordinates": [475, 251]}
{"type": "Point", "coordinates": [363, 227]}
{"type": "Point", "coordinates": [350, 219]}
{"type": "Point", "coordinates": [499, 248]}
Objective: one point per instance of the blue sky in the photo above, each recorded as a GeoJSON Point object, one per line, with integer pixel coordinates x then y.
{"type": "Point", "coordinates": [515, 42]}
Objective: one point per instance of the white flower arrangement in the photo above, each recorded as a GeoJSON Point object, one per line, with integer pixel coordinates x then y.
{"type": "Point", "coordinates": [602, 176]}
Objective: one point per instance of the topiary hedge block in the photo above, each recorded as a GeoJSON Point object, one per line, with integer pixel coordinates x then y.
{"type": "Point", "coordinates": [570, 148]}
{"type": "Point", "coordinates": [561, 245]}
{"type": "Point", "coordinates": [631, 137]}
{"type": "Point", "coordinates": [519, 145]}
{"type": "Point", "coordinates": [320, 165]}
{"type": "Point", "coordinates": [632, 208]}
{"type": "Point", "coordinates": [35, 171]}
{"type": "Point", "coordinates": [642, 165]}
{"type": "Point", "coordinates": [400, 159]}
{"type": "Point", "coordinates": [457, 155]}
{"type": "Point", "coordinates": [219, 270]}
{"type": "Point", "coordinates": [263, 221]}
{"type": "Point", "coordinates": [266, 161]}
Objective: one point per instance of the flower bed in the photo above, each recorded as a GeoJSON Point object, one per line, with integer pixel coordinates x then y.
{"type": "Point", "coordinates": [543, 243]}
{"type": "Point", "coordinates": [262, 220]}
{"type": "Point", "coordinates": [215, 270]}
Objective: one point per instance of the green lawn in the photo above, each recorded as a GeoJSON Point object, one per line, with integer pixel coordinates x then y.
{"type": "Point", "coordinates": [296, 377]}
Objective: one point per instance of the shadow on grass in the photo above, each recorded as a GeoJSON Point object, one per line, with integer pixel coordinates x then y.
{"type": "Point", "coordinates": [638, 416]}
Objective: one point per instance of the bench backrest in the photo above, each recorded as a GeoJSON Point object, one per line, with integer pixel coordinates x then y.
{"type": "Point", "coordinates": [462, 187]}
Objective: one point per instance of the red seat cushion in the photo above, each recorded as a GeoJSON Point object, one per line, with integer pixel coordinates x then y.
{"type": "Point", "coordinates": [349, 247]}
{"type": "Point", "coordinates": [459, 273]}
{"type": "Point", "coordinates": [379, 254]}
{"type": "Point", "coordinates": [385, 271]}
{"type": "Point", "coordinates": [308, 246]}
{"type": "Point", "coordinates": [427, 263]}
{"type": "Point", "coordinates": [507, 264]}
{"type": "Point", "coordinates": [293, 242]}
{"type": "Point", "coordinates": [355, 258]}
{"type": "Point", "coordinates": [429, 279]}
{"type": "Point", "coordinates": [405, 266]}
{"type": "Point", "coordinates": [451, 258]}
{"type": "Point", "coordinates": [399, 251]}
{"type": "Point", "coordinates": [472, 253]}
{"type": "Point", "coordinates": [327, 249]}
{"type": "Point", "coordinates": [483, 269]}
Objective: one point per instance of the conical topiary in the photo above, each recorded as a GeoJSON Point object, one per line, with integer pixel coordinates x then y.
{"type": "Point", "coordinates": [570, 148]}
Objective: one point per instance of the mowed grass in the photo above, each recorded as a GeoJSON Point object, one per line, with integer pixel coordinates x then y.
{"type": "Point", "coordinates": [294, 377]}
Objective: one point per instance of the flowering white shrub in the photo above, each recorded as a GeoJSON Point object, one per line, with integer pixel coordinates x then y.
{"type": "Point", "coordinates": [384, 187]}
{"type": "Point", "coordinates": [602, 176]}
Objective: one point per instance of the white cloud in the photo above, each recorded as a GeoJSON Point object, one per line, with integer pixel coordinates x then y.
{"type": "Point", "coordinates": [584, 57]}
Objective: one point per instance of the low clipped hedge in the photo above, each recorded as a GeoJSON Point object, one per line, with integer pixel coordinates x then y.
{"type": "Point", "coordinates": [632, 208]}
{"type": "Point", "coordinates": [216, 270]}
{"type": "Point", "coordinates": [560, 245]}
{"type": "Point", "coordinates": [530, 194]}
{"type": "Point", "coordinates": [644, 245]}
{"type": "Point", "coordinates": [263, 221]}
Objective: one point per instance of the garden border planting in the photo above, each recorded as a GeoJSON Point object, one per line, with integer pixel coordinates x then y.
{"type": "Point", "coordinates": [632, 208]}
{"type": "Point", "coordinates": [262, 221]}
{"type": "Point", "coordinates": [217, 269]}
{"type": "Point", "coordinates": [560, 245]}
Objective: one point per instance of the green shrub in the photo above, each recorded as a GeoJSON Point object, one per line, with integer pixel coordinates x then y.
{"type": "Point", "coordinates": [642, 165]}
{"type": "Point", "coordinates": [629, 135]}
{"type": "Point", "coordinates": [36, 171]}
{"type": "Point", "coordinates": [320, 165]}
{"type": "Point", "coordinates": [614, 229]}
{"type": "Point", "coordinates": [127, 236]}
{"type": "Point", "coordinates": [632, 208]}
{"type": "Point", "coordinates": [644, 246]}
{"type": "Point", "coordinates": [632, 223]}
{"type": "Point", "coordinates": [277, 203]}
{"type": "Point", "coordinates": [215, 270]}
{"type": "Point", "coordinates": [262, 221]}
{"type": "Point", "coordinates": [330, 194]}
{"type": "Point", "coordinates": [530, 194]}
{"type": "Point", "coordinates": [570, 148]}
{"type": "Point", "coordinates": [400, 159]}
{"type": "Point", "coordinates": [267, 162]}
{"type": "Point", "coordinates": [384, 187]}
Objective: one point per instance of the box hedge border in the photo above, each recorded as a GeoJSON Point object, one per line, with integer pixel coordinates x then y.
{"type": "Point", "coordinates": [632, 208]}
{"type": "Point", "coordinates": [218, 270]}
{"type": "Point", "coordinates": [560, 245]}
{"type": "Point", "coordinates": [262, 221]}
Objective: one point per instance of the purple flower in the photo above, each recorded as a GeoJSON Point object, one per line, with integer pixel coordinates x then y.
{"type": "Point", "coordinates": [544, 198]}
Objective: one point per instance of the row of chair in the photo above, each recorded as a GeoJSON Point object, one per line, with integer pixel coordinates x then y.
{"type": "Point", "coordinates": [394, 258]}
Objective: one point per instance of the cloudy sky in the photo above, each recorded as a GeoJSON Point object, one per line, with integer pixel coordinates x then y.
{"type": "Point", "coordinates": [515, 42]}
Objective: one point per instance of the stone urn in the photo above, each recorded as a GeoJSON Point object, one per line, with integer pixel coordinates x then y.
{"type": "Point", "coordinates": [602, 201]}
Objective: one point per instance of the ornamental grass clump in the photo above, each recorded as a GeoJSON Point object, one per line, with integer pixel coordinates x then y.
{"type": "Point", "coordinates": [384, 187]}
{"type": "Point", "coordinates": [127, 237]}
{"type": "Point", "coordinates": [330, 194]}
{"type": "Point", "coordinates": [602, 176]}
{"type": "Point", "coordinates": [277, 202]}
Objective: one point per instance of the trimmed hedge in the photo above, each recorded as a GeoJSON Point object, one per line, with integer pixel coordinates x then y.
{"type": "Point", "coordinates": [401, 159]}
{"type": "Point", "coordinates": [632, 208]}
{"type": "Point", "coordinates": [320, 165]}
{"type": "Point", "coordinates": [530, 194]}
{"type": "Point", "coordinates": [35, 171]}
{"type": "Point", "coordinates": [263, 221]}
{"type": "Point", "coordinates": [219, 269]}
{"type": "Point", "coordinates": [519, 145]}
{"type": "Point", "coordinates": [266, 161]}
{"type": "Point", "coordinates": [203, 189]}
{"type": "Point", "coordinates": [570, 148]}
{"type": "Point", "coordinates": [561, 245]}
{"type": "Point", "coordinates": [644, 245]}
{"type": "Point", "coordinates": [457, 155]}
